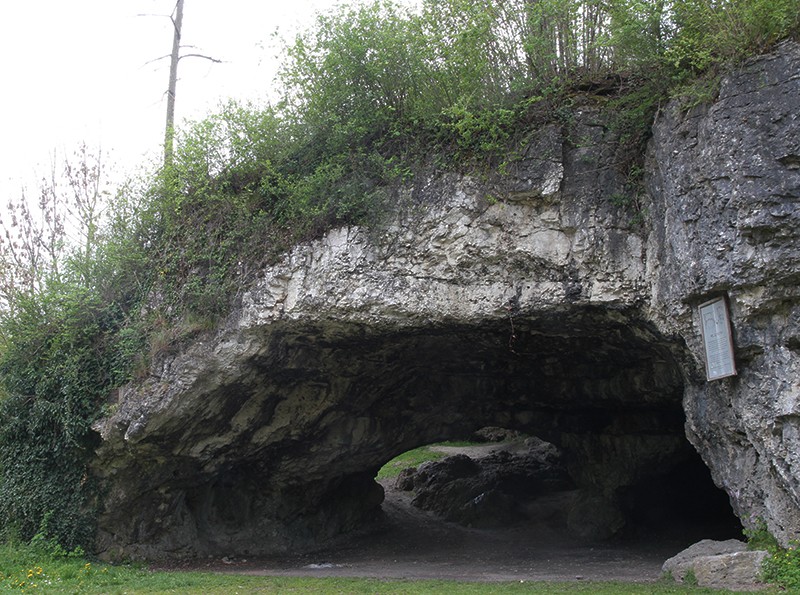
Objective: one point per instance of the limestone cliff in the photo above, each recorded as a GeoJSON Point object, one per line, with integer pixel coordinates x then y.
{"type": "Point", "coordinates": [529, 302]}
{"type": "Point", "coordinates": [725, 182]}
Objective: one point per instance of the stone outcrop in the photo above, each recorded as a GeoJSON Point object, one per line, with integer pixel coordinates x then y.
{"type": "Point", "coordinates": [528, 302]}
{"type": "Point", "coordinates": [490, 491]}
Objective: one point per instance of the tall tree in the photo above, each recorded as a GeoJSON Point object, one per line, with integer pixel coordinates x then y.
{"type": "Point", "coordinates": [175, 57]}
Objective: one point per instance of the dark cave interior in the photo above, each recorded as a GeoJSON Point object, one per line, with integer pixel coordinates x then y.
{"type": "Point", "coordinates": [524, 482]}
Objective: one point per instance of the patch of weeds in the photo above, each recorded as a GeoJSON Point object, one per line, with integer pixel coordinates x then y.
{"type": "Point", "coordinates": [690, 578]}
{"type": "Point", "coordinates": [759, 537]}
{"type": "Point", "coordinates": [632, 205]}
{"type": "Point", "coordinates": [700, 90]}
{"type": "Point", "coordinates": [782, 566]}
{"type": "Point", "coordinates": [630, 198]}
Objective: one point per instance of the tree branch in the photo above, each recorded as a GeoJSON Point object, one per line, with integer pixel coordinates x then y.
{"type": "Point", "coordinates": [156, 59]}
{"type": "Point", "coordinates": [215, 60]}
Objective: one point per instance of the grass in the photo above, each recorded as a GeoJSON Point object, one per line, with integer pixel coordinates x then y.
{"type": "Point", "coordinates": [411, 458]}
{"type": "Point", "coordinates": [49, 575]}
{"type": "Point", "coordinates": [416, 457]}
{"type": "Point", "coordinates": [26, 569]}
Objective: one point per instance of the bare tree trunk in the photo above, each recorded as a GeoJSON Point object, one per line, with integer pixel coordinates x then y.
{"type": "Point", "coordinates": [169, 134]}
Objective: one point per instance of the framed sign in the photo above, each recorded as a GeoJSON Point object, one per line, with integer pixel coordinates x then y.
{"type": "Point", "coordinates": [717, 339]}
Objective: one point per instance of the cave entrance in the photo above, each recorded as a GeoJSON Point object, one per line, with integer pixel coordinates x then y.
{"type": "Point", "coordinates": [601, 386]}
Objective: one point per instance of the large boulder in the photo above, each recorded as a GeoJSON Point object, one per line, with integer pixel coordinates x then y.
{"type": "Point", "coordinates": [492, 491]}
{"type": "Point", "coordinates": [718, 565]}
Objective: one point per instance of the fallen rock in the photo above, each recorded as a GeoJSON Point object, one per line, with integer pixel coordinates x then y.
{"type": "Point", "coordinates": [737, 571]}
{"type": "Point", "coordinates": [718, 565]}
{"type": "Point", "coordinates": [679, 564]}
{"type": "Point", "coordinates": [493, 491]}
{"type": "Point", "coordinates": [405, 480]}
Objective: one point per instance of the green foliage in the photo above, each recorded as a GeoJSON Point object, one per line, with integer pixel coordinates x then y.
{"type": "Point", "coordinates": [207, 208]}
{"type": "Point", "coordinates": [782, 567]}
{"type": "Point", "coordinates": [408, 459]}
{"type": "Point", "coordinates": [241, 190]}
{"type": "Point", "coordinates": [477, 133]}
{"type": "Point", "coordinates": [355, 68]}
{"type": "Point", "coordinates": [759, 537]}
{"type": "Point", "coordinates": [714, 32]}
{"type": "Point", "coordinates": [56, 367]}
{"type": "Point", "coordinates": [44, 545]}
{"type": "Point", "coordinates": [638, 33]}
{"type": "Point", "coordinates": [690, 578]}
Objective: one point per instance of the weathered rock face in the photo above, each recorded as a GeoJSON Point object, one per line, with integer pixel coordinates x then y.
{"type": "Point", "coordinates": [496, 490]}
{"type": "Point", "coordinates": [726, 192]}
{"type": "Point", "coordinates": [528, 303]}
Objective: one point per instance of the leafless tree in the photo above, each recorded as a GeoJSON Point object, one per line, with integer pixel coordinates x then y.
{"type": "Point", "coordinates": [175, 57]}
{"type": "Point", "coordinates": [169, 134]}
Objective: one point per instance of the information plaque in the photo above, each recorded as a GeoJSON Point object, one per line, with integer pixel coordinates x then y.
{"type": "Point", "coordinates": [717, 339]}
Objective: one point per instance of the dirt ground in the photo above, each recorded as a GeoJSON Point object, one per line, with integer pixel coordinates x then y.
{"type": "Point", "coordinates": [415, 544]}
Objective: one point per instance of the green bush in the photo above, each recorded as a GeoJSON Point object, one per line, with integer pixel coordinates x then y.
{"type": "Point", "coordinates": [709, 33]}
{"type": "Point", "coordinates": [782, 567]}
{"type": "Point", "coordinates": [352, 74]}
{"type": "Point", "coordinates": [57, 367]}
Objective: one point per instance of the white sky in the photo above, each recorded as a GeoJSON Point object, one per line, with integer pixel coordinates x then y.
{"type": "Point", "coordinates": [77, 70]}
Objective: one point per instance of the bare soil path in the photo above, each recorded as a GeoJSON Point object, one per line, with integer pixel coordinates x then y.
{"type": "Point", "coordinates": [416, 545]}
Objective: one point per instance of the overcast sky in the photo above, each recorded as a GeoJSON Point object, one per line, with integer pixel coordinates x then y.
{"type": "Point", "coordinates": [82, 70]}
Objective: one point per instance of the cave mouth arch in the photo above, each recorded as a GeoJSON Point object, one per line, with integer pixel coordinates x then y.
{"type": "Point", "coordinates": [283, 456]}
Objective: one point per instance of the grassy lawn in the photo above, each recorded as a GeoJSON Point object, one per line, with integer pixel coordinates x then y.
{"type": "Point", "coordinates": [27, 570]}
{"type": "Point", "coordinates": [415, 457]}
{"type": "Point", "coordinates": [412, 458]}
